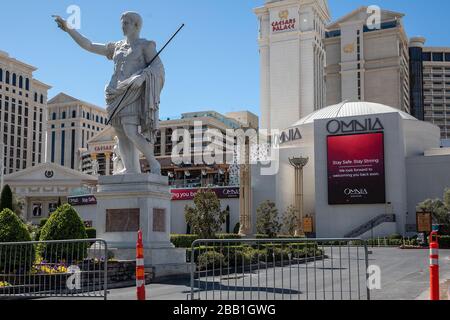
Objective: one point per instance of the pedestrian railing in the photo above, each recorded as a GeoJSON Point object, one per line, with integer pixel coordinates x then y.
{"type": "Point", "coordinates": [279, 269]}
{"type": "Point", "coordinates": [43, 269]}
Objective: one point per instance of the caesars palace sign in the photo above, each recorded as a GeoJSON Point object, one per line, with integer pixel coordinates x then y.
{"type": "Point", "coordinates": [284, 21]}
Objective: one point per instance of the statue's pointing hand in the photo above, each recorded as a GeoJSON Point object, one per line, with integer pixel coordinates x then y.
{"type": "Point", "coordinates": [62, 24]}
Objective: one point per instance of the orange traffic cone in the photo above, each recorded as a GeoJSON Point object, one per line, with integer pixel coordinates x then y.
{"type": "Point", "coordinates": [434, 267]}
{"type": "Point", "coordinates": [140, 269]}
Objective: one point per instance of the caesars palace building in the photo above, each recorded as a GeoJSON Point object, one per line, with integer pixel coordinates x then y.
{"type": "Point", "coordinates": [353, 153]}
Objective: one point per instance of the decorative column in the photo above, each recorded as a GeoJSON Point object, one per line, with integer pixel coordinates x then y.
{"type": "Point", "coordinates": [299, 164]}
{"type": "Point", "coordinates": [107, 163]}
{"type": "Point", "coordinates": [245, 198]}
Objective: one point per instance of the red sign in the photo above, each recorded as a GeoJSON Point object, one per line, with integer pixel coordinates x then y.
{"type": "Point", "coordinates": [104, 148]}
{"type": "Point", "coordinates": [356, 169]}
{"type": "Point", "coordinates": [282, 25]}
{"type": "Point", "coordinates": [189, 194]}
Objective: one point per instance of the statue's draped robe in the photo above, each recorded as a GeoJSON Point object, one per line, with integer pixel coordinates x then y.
{"type": "Point", "coordinates": [141, 105]}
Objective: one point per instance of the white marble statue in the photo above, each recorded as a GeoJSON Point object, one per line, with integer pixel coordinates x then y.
{"type": "Point", "coordinates": [117, 160]}
{"type": "Point", "coordinates": [134, 83]}
{"type": "Point", "coordinates": [95, 167]}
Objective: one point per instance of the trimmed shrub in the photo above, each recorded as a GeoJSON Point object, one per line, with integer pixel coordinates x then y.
{"type": "Point", "coordinates": [6, 199]}
{"type": "Point", "coordinates": [12, 229]}
{"type": "Point", "coordinates": [63, 224]}
{"type": "Point", "coordinates": [210, 260]}
{"type": "Point", "coordinates": [183, 240]}
{"type": "Point", "coordinates": [229, 236]}
{"type": "Point", "coordinates": [186, 240]}
{"type": "Point", "coordinates": [239, 255]}
{"type": "Point", "coordinates": [43, 222]}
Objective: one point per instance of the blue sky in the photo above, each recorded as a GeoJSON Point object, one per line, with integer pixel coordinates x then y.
{"type": "Point", "coordinates": [212, 65]}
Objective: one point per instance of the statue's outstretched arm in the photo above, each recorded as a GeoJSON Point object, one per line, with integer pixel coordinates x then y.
{"type": "Point", "coordinates": [83, 42]}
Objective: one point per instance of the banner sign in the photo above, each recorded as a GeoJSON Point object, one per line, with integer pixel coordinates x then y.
{"type": "Point", "coordinates": [424, 222]}
{"type": "Point", "coordinates": [189, 194]}
{"type": "Point", "coordinates": [308, 225]}
{"type": "Point", "coordinates": [356, 169]}
{"type": "Point", "coordinates": [82, 200]}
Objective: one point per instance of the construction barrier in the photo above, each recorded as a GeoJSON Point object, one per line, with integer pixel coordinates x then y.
{"type": "Point", "coordinates": [434, 267]}
{"type": "Point", "coordinates": [277, 269]}
{"type": "Point", "coordinates": [50, 269]}
{"type": "Point", "coordinates": [140, 268]}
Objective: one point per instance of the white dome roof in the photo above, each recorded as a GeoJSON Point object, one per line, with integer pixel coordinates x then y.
{"type": "Point", "coordinates": [352, 109]}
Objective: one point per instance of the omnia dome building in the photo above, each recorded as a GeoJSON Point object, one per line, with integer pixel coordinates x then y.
{"type": "Point", "coordinates": [356, 169]}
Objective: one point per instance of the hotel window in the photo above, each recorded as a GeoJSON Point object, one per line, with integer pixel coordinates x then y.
{"type": "Point", "coordinates": [1, 75]}
{"type": "Point", "coordinates": [72, 156]}
{"type": "Point", "coordinates": [14, 80]}
{"type": "Point", "coordinates": [20, 82]}
{"type": "Point", "coordinates": [53, 146]}
{"type": "Point", "coordinates": [63, 146]}
{"type": "Point", "coordinates": [426, 56]}
{"type": "Point", "coordinates": [37, 210]}
{"type": "Point", "coordinates": [27, 84]}
{"type": "Point", "coordinates": [82, 138]}
{"type": "Point", "coordinates": [74, 114]}
{"type": "Point", "coordinates": [438, 56]}
{"type": "Point", "coordinates": [42, 99]}
{"type": "Point", "coordinates": [7, 77]}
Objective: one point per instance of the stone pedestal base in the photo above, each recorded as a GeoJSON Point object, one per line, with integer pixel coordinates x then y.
{"type": "Point", "coordinates": [129, 203]}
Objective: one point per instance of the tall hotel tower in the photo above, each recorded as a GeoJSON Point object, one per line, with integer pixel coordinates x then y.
{"type": "Point", "coordinates": [292, 57]}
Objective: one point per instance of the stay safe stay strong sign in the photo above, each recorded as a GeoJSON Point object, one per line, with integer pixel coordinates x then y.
{"type": "Point", "coordinates": [356, 169]}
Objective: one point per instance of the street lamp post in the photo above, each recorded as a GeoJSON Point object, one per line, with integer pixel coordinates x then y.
{"type": "Point", "coordinates": [299, 164]}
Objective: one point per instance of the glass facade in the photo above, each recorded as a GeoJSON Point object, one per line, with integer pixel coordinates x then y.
{"type": "Point", "coordinates": [416, 82]}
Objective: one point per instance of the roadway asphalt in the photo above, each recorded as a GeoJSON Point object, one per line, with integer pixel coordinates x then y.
{"type": "Point", "coordinates": [404, 276]}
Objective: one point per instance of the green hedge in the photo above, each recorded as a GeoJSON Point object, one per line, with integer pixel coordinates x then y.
{"type": "Point", "coordinates": [392, 242]}
{"type": "Point", "coordinates": [13, 258]}
{"type": "Point", "coordinates": [63, 224]}
{"type": "Point", "coordinates": [183, 240]}
{"type": "Point", "coordinates": [263, 236]}
{"type": "Point", "coordinates": [209, 257]}
{"type": "Point", "coordinates": [186, 240]}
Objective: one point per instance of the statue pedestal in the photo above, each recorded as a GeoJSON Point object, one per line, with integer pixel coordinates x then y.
{"type": "Point", "coordinates": [129, 203]}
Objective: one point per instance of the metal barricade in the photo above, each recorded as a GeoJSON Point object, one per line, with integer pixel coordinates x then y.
{"type": "Point", "coordinates": [279, 269]}
{"type": "Point", "coordinates": [48, 269]}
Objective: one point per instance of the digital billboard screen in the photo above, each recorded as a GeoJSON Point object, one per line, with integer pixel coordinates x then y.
{"type": "Point", "coordinates": [356, 169]}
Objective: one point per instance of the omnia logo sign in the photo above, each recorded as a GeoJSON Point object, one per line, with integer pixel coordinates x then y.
{"type": "Point", "coordinates": [356, 192]}
{"type": "Point", "coordinates": [353, 126]}
{"type": "Point", "coordinates": [231, 192]}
